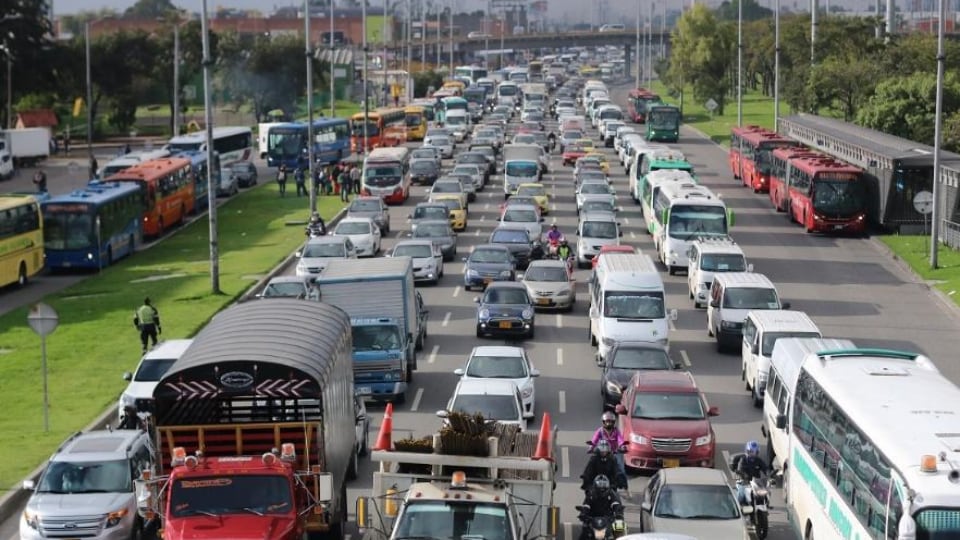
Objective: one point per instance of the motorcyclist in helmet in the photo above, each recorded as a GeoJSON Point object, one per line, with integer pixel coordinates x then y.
{"type": "Point", "coordinates": [601, 463]}
{"type": "Point", "coordinates": [600, 501]}
{"type": "Point", "coordinates": [316, 226]}
{"type": "Point", "coordinates": [563, 250]}
{"type": "Point", "coordinates": [608, 432]}
{"type": "Point", "coordinates": [749, 465]}
{"type": "Point", "coordinates": [554, 235]}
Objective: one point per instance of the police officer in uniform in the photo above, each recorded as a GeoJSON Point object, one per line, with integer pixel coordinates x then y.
{"type": "Point", "coordinates": [147, 320]}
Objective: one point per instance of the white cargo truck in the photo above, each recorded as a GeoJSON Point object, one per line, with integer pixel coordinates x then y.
{"type": "Point", "coordinates": [25, 146]}
{"type": "Point", "coordinates": [522, 163]}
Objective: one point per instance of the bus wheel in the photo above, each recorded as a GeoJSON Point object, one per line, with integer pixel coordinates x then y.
{"type": "Point", "coordinates": [22, 274]}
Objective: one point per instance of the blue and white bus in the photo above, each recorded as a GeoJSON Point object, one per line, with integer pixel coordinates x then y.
{"type": "Point", "coordinates": [287, 143]}
{"type": "Point", "coordinates": [198, 161]}
{"type": "Point", "coordinates": [92, 227]}
{"type": "Point", "coordinates": [473, 73]}
{"type": "Point", "coordinates": [233, 143]}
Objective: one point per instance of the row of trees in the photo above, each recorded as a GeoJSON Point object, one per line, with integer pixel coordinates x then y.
{"type": "Point", "coordinates": [130, 69]}
{"type": "Point", "coordinates": [885, 83]}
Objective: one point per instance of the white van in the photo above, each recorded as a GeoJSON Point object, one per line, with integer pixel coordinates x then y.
{"type": "Point", "coordinates": [627, 302]}
{"type": "Point", "coordinates": [785, 362]}
{"type": "Point", "coordinates": [761, 331]}
{"type": "Point", "coordinates": [139, 393]}
{"type": "Point", "coordinates": [708, 256]}
{"type": "Point", "coordinates": [457, 122]}
{"type": "Point", "coordinates": [732, 296]}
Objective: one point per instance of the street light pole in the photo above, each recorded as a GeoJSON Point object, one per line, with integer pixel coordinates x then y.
{"type": "Point", "coordinates": [937, 138]}
{"type": "Point", "coordinates": [308, 53]}
{"type": "Point", "coordinates": [6, 49]}
{"type": "Point", "coordinates": [333, 74]}
{"type": "Point", "coordinates": [86, 39]}
{"type": "Point", "coordinates": [450, 32]}
{"type": "Point", "coordinates": [637, 49]}
{"type": "Point", "coordinates": [211, 186]}
{"type": "Point", "coordinates": [366, 91]}
{"type": "Point", "coordinates": [176, 79]}
{"type": "Point", "coordinates": [776, 67]}
{"type": "Point", "coordinates": [739, 62]}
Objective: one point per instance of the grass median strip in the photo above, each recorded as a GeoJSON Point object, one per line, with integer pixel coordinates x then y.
{"type": "Point", "coordinates": [96, 340]}
{"type": "Point", "coordinates": [915, 251]}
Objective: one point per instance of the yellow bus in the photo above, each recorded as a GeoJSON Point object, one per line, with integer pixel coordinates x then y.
{"type": "Point", "coordinates": [416, 122]}
{"type": "Point", "coordinates": [457, 87]}
{"type": "Point", "coordinates": [21, 239]}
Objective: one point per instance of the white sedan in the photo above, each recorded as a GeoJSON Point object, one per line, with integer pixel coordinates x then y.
{"type": "Point", "coordinates": [501, 362]}
{"type": "Point", "coordinates": [444, 143]}
{"type": "Point", "coordinates": [427, 259]}
{"type": "Point", "coordinates": [362, 232]}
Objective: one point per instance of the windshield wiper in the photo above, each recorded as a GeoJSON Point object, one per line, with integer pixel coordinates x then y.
{"type": "Point", "coordinates": [195, 512]}
{"type": "Point", "coordinates": [252, 510]}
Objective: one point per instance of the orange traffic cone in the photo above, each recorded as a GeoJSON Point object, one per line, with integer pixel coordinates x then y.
{"type": "Point", "coordinates": [384, 438]}
{"type": "Point", "coordinates": [544, 444]}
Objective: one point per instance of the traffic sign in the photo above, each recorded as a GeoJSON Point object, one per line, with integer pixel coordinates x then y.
{"type": "Point", "coordinates": [43, 319]}
{"type": "Point", "coordinates": [711, 105]}
{"type": "Point", "coordinates": [923, 202]}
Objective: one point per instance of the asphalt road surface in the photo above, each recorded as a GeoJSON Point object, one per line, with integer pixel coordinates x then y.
{"type": "Point", "coordinates": [850, 286]}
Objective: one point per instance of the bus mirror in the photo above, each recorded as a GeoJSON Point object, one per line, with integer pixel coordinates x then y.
{"type": "Point", "coordinates": [730, 218]}
{"type": "Point", "coordinates": [781, 421]}
{"type": "Point", "coordinates": [663, 216]}
{"type": "Point", "coordinates": [749, 268]}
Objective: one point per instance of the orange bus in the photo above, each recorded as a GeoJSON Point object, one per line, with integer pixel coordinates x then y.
{"type": "Point", "coordinates": [166, 186]}
{"type": "Point", "coordinates": [386, 126]}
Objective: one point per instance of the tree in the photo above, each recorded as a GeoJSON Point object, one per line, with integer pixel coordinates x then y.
{"type": "Point", "coordinates": [838, 83]}
{"type": "Point", "coordinates": [24, 35]}
{"type": "Point", "coordinates": [752, 11]}
{"type": "Point", "coordinates": [905, 106]}
{"type": "Point", "coordinates": [191, 59]}
{"type": "Point", "coordinates": [150, 9]}
{"type": "Point", "coordinates": [703, 54]}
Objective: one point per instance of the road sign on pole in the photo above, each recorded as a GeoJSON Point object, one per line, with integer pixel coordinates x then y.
{"type": "Point", "coordinates": [43, 320]}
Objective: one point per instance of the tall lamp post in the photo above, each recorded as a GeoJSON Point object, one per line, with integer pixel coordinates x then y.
{"type": "Point", "coordinates": [937, 137]}
{"type": "Point", "coordinates": [308, 53]}
{"type": "Point", "coordinates": [450, 32]}
{"type": "Point", "coordinates": [776, 67]}
{"type": "Point", "coordinates": [86, 46]}
{"type": "Point", "coordinates": [211, 187]}
{"type": "Point", "coordinates": [333, 73]}
{"type": "Point", "coordinates": [739, 62]}
{"type": "Point", "coordinates": [366, 91]}
{"type": "Point", "coordinates": [9, 55]}
{"type": "Point", "coordinates": [637, 50]}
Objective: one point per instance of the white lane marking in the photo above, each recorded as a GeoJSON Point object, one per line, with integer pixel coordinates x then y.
{"type": "Point", "coordinates": [567, 530]}
{"type": "Point", "coordinates": [416, 400]}
{"type": "Point", "coordinates": [483, 218]}
{"type": "Point", "coordinates": [446, 319]}
{"type": "Point", "coordinates": [486, 206]}
{"type": "Point", "coordinates": [632, 235]}
{"type": "Point", "coordinates": [433, 354]}
{"type": "Point", "coordinates": [476, 232]}
{"type": "Point", "coordinates": [559, 320]}
{"type": "Point", "coordinates": [456, 291]}
{"type": "Point", "coordinates": [685, 358]}
{"type": "Point", "coordinates": [626, 221]}
{"type": "Point", "coordinates": [559, 356]}
{"type": "Point", "coordinates": [673, 327]}
{"type": "Point", "coordinates": [562, 395]}
{"type": "Point", "coordinates": [565, 461]}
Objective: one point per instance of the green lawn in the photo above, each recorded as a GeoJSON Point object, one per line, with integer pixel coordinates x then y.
{"type": "Point", "coordinates": [96, 340]}
{"type": "Point", "coordinates": [915, 251]}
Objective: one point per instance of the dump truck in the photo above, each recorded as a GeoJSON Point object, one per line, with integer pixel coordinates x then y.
{"type": "Point", "coordinates": [501, 486]}
{"type": "Point", "coordinates": [255, 427]}
{"type": "Point", "coordinates": [379, 296]}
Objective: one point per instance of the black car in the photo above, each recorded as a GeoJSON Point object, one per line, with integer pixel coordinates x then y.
{"type": "Point", "coordinates": [479, 159]}
{"type": "Point", "coordinates": [244, 172]}
{"type": "Point", "coordinates": [424, 172]}
{"type": "Point", "coordinates": [626, 358]}
{"type": "Point", "coordinates": [523, 248]}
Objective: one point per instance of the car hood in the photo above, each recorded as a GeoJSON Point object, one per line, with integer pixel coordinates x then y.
{"type": "Point", "coordinates": [317, 261]}
{"type": "Point", "coordinates": [504, 310]}
{"type": "Point", "coordinates": [140, 389]}
{"type": "Point", "coordinates": [620, 376]}
{"type": "Point", "coordinates": [372, 215]}
{"type": "Point", "coordinates": [238, 527]}
{"type": "Point", "coordinates": [731, 529]}
{"type": "Point", "coordinates": [438, 240]}
{"type": "Point", "coordinates": [488, 267]}
{"type": "Point", "coordinates": [681, 429]}
{"type": "Point", "coordinates": [78, 504]}
{"type": "Point", "coordinates": [518, 248]}
{"type": "Point", "coordinates": [359, 238]}
{"type": "Point", "coordinates": [540, 287]}
{"type": "Point", "coordinates": [421, 262]}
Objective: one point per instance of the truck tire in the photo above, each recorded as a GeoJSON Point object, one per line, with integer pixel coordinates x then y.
{"type": "Point", "coordinates": [354, 465]}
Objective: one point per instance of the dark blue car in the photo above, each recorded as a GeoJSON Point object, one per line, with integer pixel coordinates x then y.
{"type": "Point", "coordinates": [488, 263]}
{"type": "Point", "coordinates": [505, 309]}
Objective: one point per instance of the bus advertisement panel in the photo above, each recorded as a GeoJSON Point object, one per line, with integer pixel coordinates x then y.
{"type": "Point", "coordinates": [663, 123]}
{"type": "Point", "coordinates": [827, 195]}
{"type": "Point", "coordinates": [756, 157]}
{"type": "Point", "coordinates": [167, 187]}
{"type": "Point", "coordinates": [735, 155]}
{"type": "Point", "coordinates": [868, 450]}
{"type": "Point", "coordinates": [233, 143]}
{"type": "Point", "coordinates": [287, 144]}
{"type": "Point", "coordinates": [386, 174]}
{"type": "Point", "coordinates": [386, 126]}
{"type": "Point", "coordinates": [91, 228]}
{"type": "Point", "coordinates": [416, 120]}
{"type": "Point", "coordinates": [21, 239]}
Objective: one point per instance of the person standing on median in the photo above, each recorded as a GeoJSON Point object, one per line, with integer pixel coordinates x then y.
{"type": "Point", "coordinates": [343, 181]}
{"type": "Point", "coordinates": [355, 179]}
{"type": "Point", "coordinates": [282, 179]}
{"type": "Point", "coordinates": [40, 180]}
{"type": "Point", "coordinates": [147, 319]}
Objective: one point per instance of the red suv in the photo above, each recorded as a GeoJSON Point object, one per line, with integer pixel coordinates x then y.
{"type": "Point", "coordinates": [665, 420]}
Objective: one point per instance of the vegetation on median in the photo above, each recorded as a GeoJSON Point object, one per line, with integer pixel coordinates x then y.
{"type": "Point", "coordinates": [915, 251]}
{"type": "Point", "coordinates": [96, 340]}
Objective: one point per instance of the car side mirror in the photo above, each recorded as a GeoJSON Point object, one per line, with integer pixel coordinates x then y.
{"type": "Point", "coordinates": [620, 409]}
{"type": "Point", "coordinates": [646, 506]}
{"type": "Point", "coordinates": [749, 268]}
{"type": "Point", "coordinates": [713, 411]}
{"type": "Point", "coordinates": [677, 365]}
{"type": "Point", "coordinates": [542, 219]}
{"type": "Point", "coordinates": [594, 313]}
{"type": "Point", "coordinates": [528, 416]}
{"type": "Point", "coordinates": [458, 371]}
{"type": "Point", "coordinates": [714, 303]}
{"type": "Point", "coordinates": [620, 233]}
{"type": "Point", "coordinates": [534, 372]}
{"type": "Point", "coordinates": [127, 376]}
{"type": "Point", "coordinates": [785, 305]}
{"type": "Point", "coordinates": [520, 277]}
{"type": "Point", "coordinates": [409, 216]}
{"type": "Point", "coordinates": [361, 417]}
{"type": "Point", "coordinates": [755, 348]}
{"type": "Point", "coordinates": [299, 254]}
{"type": "Point", "coordinates": [442, 414]}
{"type": "Point", "coordinates": [464, 259]}
{"type": "Point", "coordinates": [29, 485]}
{"type": "Point", "coordinates": [674, 314]}
{"type": "Point", "coordinates": [781, 421]}
{"type": "Point", "coordinates": [476, 299]}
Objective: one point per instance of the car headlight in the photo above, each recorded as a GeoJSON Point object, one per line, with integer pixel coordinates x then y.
{"type": "Point", "coordinates": [472, 273]}
{"type": "Point", "coordinates": [636, 438]}
{"type": "Point", "coordinates": [729, 325]}
{"type": "Point", "coordinates": [526, 392]}
{"type": "Point", "coordinates": [126, 400]}
{"type": "Point", "coordinates": [613, 388]}
{"type": "Point", "coordinates": [527, 313]}
{"type": "Point", "coordinates": [484, 313]}
{"type": "Point", "coordinates": [506, 274]}
{"type": "Point", "coordinates": [565, 292]}
{"type": "Point", "coordinates": [114, 518]}
{"type": "Point", "coordinates": [32, 519]}
{"type": "Point", "coordinates": [706, 439]}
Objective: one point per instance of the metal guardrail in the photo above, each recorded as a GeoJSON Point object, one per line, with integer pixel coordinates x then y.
{"type": "Point", "coordinates": [950, 234]}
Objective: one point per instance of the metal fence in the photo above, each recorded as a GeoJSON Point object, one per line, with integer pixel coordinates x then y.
{"type": "Point", "coordinates": [950, 234]}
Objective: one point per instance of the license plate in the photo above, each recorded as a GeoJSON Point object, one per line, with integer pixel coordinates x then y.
{"type": "Point", "coordinates": [671, 463]}
{"type": "Point", "coordinates": [543, 301]}
{"type": "Point", "coordinates": [837, 227]}
{"type": "Point", "coordinates": [505, 324]}
{"type": "Point", "coordinates": [486, 281]}
{"type": "Point", "coordinates": [364, 390]}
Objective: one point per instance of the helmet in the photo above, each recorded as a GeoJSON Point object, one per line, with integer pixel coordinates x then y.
{"type": "Point", "coordinates": [553, 227]}
{"type": "Point", "coordinates": [608, 419]}
{"type": "Point", "coordinates": [752, 448]}
{"type": "Point", "coordinates": [603, 448]}
{"type": "Point", "coordinates": [563, 242]}
{"type": "Point", "coordinates": [601, 482]}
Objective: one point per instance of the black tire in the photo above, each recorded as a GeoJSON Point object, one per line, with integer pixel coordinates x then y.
{"type": "Point", "coordinates": [770, 454]}
{"type": "Point", "coordinates": [354, 465]}
{"type": "Point", "coordinates": [531, 333]}
{"type": "Point", "coordinates": [479, 332]}
{"type": "Point", "coordinates": [762, 525]}
{"type": "Point", "coordinates": [365, 444]}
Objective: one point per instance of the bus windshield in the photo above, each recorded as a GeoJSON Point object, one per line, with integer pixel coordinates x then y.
{"type": "Point", "coordinates": [638, 305]}
{"type": "Point", "coordinates": [68, 226]}
{"type": "Point", "coordinates": [688, 221]}
{"type": "Point", "coordinates": [372, 129]}
{"type": "Point", "coordinates": [285, 142]}
{"type": "Point", "coordinates": [664, 118]}
{"type": "Point", "coordinates": [838, 197]}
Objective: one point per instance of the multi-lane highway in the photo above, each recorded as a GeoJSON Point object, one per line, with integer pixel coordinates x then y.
{"type": "Point", "coordinates": [851, 287]}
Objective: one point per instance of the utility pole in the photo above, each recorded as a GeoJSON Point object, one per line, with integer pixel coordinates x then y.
{"type": "Point", "coordinates": [937, 138]}
{"type": "Point", "coordinates": [638, 50]}
{"type": "Point", "coordinates": [450, 32]}
{"type": "Point", "coordinates": [308, 53]}
{"type": "Point", "coordinates": [776, 67]}
{"type": "Point", "coordinates": [176, 79]}
{"type": "Point", "coordinates": [211, 186]}
{"type": "Point", "coordinates": [333, 73]}
{"type": "Point", "coordinates": [740, 62]}
{"type": "Point", "coordinates": [423, 37]}
{"type": "Point", "coordinates": [86, 39]}
{"type": "Point", "coordinates": [366, 88]}
{"type": "Point", "coordinates": [814, 7]}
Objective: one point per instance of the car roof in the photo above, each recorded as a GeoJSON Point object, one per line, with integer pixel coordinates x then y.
{"type": "Point", "coordinates": [355, 219]}
{"type": "Point", "coordinates": [496, 350]}
{"type": "Point", "coordinates": [434, 222]}
{"type": "Point", "coordinates": [498, 247]}
{"type": "Point", "coordinates": [426, 204]}
{"type": "Point", "coordinates": [522, 207]}
{"type": "Point", "coordinates": [506, 285]}
{"type": "Point", "coordinates": [664, 381]}
{"type": "Point", "coordinates": [496, 387]}
{"type": "Point", "coordinates": [548, 263]}
{"type": "Point", "coordinates": [97, 446]}
{"type": "Point", "coordinates": [693, 476]}
{"type": "Point", "coordinates": [598, 216]}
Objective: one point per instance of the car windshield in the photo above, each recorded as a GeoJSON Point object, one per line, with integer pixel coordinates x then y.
{"type": "Point", "coordinates": [751, 298]}
{"type": "Point", "coordinates": [454, 120]}
{"type": "Point", "coordinates": [546, 273]}
{"type": "Point", "coordinates": [447, 187]}
{"type": "Point", "coordinates": [468, 520]}
{"type": "Point", "coordinates": [490, 256]}
{"type": "Point", "coordinates": [486, 134]}
{"type": "Point", "coordinates": [626, 357]}
{"type": "Point", "coordinates": [361, 205]}
{"type": "Point", "coordinates": [493, 407]}
{"type": "Point", "coordinates": [424, 167]}
{"type": "Point", "coordinates": [520, 200]}
{"type": "Point", "coordinates": [152, 370]}
{"type": "Point", "coordinates": [594, 188]}
{"type": "Point", "coordinates": [436, 140]}
{"type": "Point", "coordinates": [432, 231]}
{"type": "Point", "coordinates": [353, 227]}
{"type": "Point", "coordinates": [472, 158]}
{"type": "Point", "coordinates": [599, 229]}
{"type": "Point", "coordinates": [451, 204]}
{"type": "Point", "coordinates": [87, 477]}
{"type": "Point", "coordinates": [497, 367]}
{"type": "Point", "coordinates": [592, 175]}
{"type": "Point", "coordinates": [416, 251]}
{"type": "Point", "coordinates": [723, 262]}
{"type": "Point", "coordinates": [597, 206]}
{"type": "Point", "coordinates": [638, 305]}
{"type": "Point", "coordinates": [234, 494]}
{"type": "Point", "coordinates": [240, 167]}
{"type": "Point", "coordinates": [531, 191]}
{"type": "Point", "coordinates": [502, 295]}
{"type": "Point", "coordinates": [509, 236]}
{"type": "Point", "coordinates": [525, 138]}
{"type": "Point", "coordinates": [423, 154]}
{"type": "Point", "coordinates": [520, 216]}
{"type": "Point", "coordinates": [376, 338]}
{"type": "Point", "coordinates": [284, 289]}
{"type": "Point", "coordinates": [324, 250]}
{"type": "Point", "coordinates": [690, 501]}
{"type": "Point", "coordinates": [770, 339]}
{"type": "Point", "coordinates": [430, 212]}
{"type": "Point", "coordinates": [466, 169]}
{"type": "Point", "coordinates": [668, 406]}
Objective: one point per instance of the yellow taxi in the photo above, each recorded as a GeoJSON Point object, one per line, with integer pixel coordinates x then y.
{"type": "Point", "coordinates": [537, 192]}
{"type": "Point", "coordinates": [602, 158]}
{"type": "Point", "coordinates": [458, 214]}
{"type": "Point", "coordinates": [587, 144]}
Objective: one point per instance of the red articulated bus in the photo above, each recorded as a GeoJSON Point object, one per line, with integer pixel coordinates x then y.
{"type": "Point", "coordinates": [827, 195]}
{"type": "Point", "coordinates": [756, 159]}
{"type": "Point", "coordinates": [166, 186]}
{"type": "Point", "coordinates": [777, 182]}
{"type": "Point", "coordinates": [637, 102]}
{"type": "Point", "coordinates": [736, 144]}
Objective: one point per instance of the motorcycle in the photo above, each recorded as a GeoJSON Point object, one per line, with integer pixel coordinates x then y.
{"type": "Point", "coordinates": [315, 231]}
{"type": "Point", "coordinates": [620, 480]}
{"type": "Point", "coordinates": [602, 527]}
{"type": "Point", "coordinates": [757, 507]}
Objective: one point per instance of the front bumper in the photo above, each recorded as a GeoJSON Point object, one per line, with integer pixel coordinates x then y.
{"type": "Point", "coordinates": [647, 457]}
{"type": "Point", "coordinates": [505, 326]}
{"type": "Point", "coordinates": [426, 273]}
{"type": "Point", "coordinates": [471, 280]}
{"type": "Point", "coordinates": [366, 251]}
{"type": "Point", "coordinates": [380, 390]}
{"type": "Point", "coordinates": [551, 301]}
